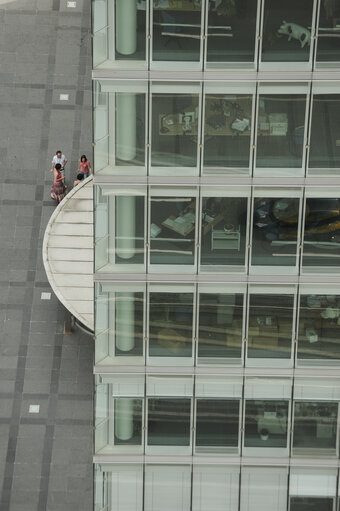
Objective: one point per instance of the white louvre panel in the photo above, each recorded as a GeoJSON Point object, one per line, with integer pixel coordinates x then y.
{"type": "Point", "coordinates": [306, 482]}
{"type": "Point", "coordinates": [263, 489]}
{"type": "Point", "coordinates": [123, 86]}
{"type": "Point", "coordinates": [277, 192]}
{"type": "Point", "coordinates": [171, 193]}
{"type": "Point", "coordinates": [323, 191]}
{"type": "Point", "coordinates": [287, 88]}
{"type": "Point", "coordinates": [317, 389]}
{"type": "Point", "coordinates": [326, 88]}
{"type": "Point", "coordinates": [258, 388]}
{"type": "Point", "coordinates": [234, 88]}
{"type": "Point", "coordinates": [271, 290]}
{"type": "Point", "coordinates": [123, 190]}
{"type": "Point", "coordinates": [125, 384]}
{"type": "Point", "coordinates": [218, 387]}
{"type": "Point", "coordinates": [127, 488]}
{"type": "Point", "coordinates": [68, 252]}
{"type": "Point", "coordinates": [215, 488]}
{"type": "Point", "coordinates": [178, 88]}
{"type": "Point", "coordinates": [169, 386]}
{"type": "Point", "coordinates": [167, 488]}
{"type": "Point", "coordinates": [228, 191]}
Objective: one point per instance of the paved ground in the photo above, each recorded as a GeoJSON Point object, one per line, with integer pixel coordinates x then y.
{"type": "Point", "coordinates": [45, 458]}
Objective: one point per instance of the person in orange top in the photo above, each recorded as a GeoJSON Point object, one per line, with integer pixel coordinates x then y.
{"type": "Point", "coordinates": [84, 166]}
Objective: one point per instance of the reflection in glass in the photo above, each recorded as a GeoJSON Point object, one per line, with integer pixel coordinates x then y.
{"type": "Point", "coordinates": [130, 35]}
{"type": "Point", "coordinates": [286, 30]}
{"type": "Point", "coordinates": [174, 130]}
{"type": "Point", "coordinates": [328, 47]}
{"type": "Point", "coordinates": [220, 326]}
{"type": "Point", "coordinates": [169, 422]}
{"type": "Point", "coordinates": [223, 238]}
{"type": "Point", "coordinates": [315, 425]}
{"type": "Point", "coordinates": [270, 326]}
{"type": "Point", "coordinates": [100, 31]}
{"type": "Point", "coordinates": [217, 423]}
{"type": "Point", "coordinates": [266, 423]}
{"type": "Point", "coordinates": [176, 31]}
{"type": "Point", "coordinates": [130, 129]}
{"type": "Point", "coordinates": [227, 130]}
{"type": "Point", "coordinates": [128, 421]}
{"type": "Point", "coordinates": [120, 234]}
{"type": "Point", "coordinates": [280, 131]}
{"type": "Point", "coordinates": [321, 246]}
{"type": "Point", "coordinates": [172, 230]}
{"type": "Point", "coordinates": [275, 231]}
{"type": "Point", "coordinates": [325, 132]}
{"type": "Point", "coordinates": [171, 318]}
{"type": "Point", "coordinates": [319, 327]}
{"type": "Point", "coordinates": [311, 504]}
{"type": "Point", "coordinates": [231, 30]}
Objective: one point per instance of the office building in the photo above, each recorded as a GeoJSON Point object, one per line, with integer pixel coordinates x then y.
{"type": "Point", "coordinates": [217, 254]}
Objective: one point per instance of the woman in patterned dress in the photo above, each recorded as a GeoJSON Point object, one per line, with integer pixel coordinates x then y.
{"type": "Point", "coordinates": [58, 190]}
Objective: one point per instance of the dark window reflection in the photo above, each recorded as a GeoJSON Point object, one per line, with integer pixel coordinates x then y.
{"type": "Point", "coordinates": [319, 327]}
{"type": "Point", "coordinates": [328, 46]}
{"type": "Point", "coordinates": [266, 424]}
{"type": "Point", "coordinates": [217, 423]}
{"type": "Point", "coordinates": [311, 504]}
{"type": "Point", "coordinates": [169, 422]}
{"type": "Point", "coordinates": [315, 425]}
{"type": "Point", "coordinates": [325, 132]}
{"type": "Point", "coordinates": [287, 30]}
{"type": "Point", "coordinates": [231, 30]}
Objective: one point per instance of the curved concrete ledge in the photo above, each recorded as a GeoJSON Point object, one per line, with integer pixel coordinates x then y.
{"type": "Point", "coordinates": [68, 252]}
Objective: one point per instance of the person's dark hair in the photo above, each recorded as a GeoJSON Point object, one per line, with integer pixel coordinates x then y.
{"type": "Point", "coordinates": [80, 176]}
{"type": "Point", "coordinates": [83, 156]}
{"type": "Point", "coordinates": [57, 166]}
{"type": "Point", "coordinates": [57, 152]}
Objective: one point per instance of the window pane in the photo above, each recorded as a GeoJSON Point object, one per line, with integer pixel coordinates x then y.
{"type": "Point", "coordinates": [280, 131]}
{"type": "Point", "coordinates": [129, 129]}
{"type": "Point", "coordinates": [325, 132]}
{"type": "Point", "coordinates": [310, 504]}
{"type": "Point", "coordinates": [227, 130]}
{"type": "Point", "coordinates": [171, 316]}
{"type": "Point", "coordinates": [130, 35]}
{"type": "Point", "coordinates": [217, 423]}
{"type": "Point", "coordinates": [319, 327]}
{"type": "Point", "coordinates": [275, 231]}
{"type": "Point", "coordinates": [270, 326]}
{"type": "Point", "coordinates": [129, 230]}
{"type": "Point", "coordinates": [128, 421]}
{"type": "Point", "coordinates": [176, 30]}
{"type": "Point", "coordinates": [174, 130]}
{"type": "Point", "coordinates": [220, 326]}
{"type": "Point", "coordinates": [223, 239]}
{"type": "Point", "coordinates": [172, 230]}
{"type": "Point", "coordinates": [169, 422]}
{"type": "Point", "coordinates": [129, 324]}
{"type": "Point", "coordinates": [266, 424]}
{"type": "Point", "coordinates": [315, 425]}
{"type": "Point", "coordinates": [231, 31]}
{"type": "Point", "coordinates": [286, 41]}
{"type": "Point", "coordinates": [328, 47]}
{"type": "Point", "coordinates": [321, 246]}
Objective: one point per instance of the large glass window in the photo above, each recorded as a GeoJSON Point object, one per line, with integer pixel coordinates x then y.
{"type": "Point", "coordinates": [315, 426]}
{"type": "Point", "coordinates": [176, 30]}
{"type": "Point", "coordinates": [227, 131]}
{"type": "Point", "coordinates": [169, 422]}
{"type": "Point", "coordinates": [319, 327]}
{"type": "Point", "coordinates": [275, 230]}
{"type": "Point", "coordinates": [280, 131]}
{"type": "Point", "coordinates": [119, 229]}
{"type": "Point", "coordinates": [266, 423]}
{"type": "Point", "coordinates": [231, 31]}
{"type": "Point", "coordinates": [270, 325]}
{"type": "Point", "coordinates": [325, 133]}
{"type": "Point", "coordinates": [175, 130]}
{"type": "Point", "coordinates": [220, 327]}
{"type": "Point", "coordinates": [321, 241]}
{"type": "Point", "coordinates": [311, 504]}
{"type": "Point", "coordinates": [217, 424]}
{"type": "Point", "coordinates": [128, 414]}
{"type": "Point", "coordinates": [223, 234]}
{"type": "Point", "coordinates": [173, 230]}
{"type": "Point", "coordinates": [287, 31]}
{"type": "Point", "coordinates": [171, 324]}
{"type": "Point", "coordinates": [328, 47]}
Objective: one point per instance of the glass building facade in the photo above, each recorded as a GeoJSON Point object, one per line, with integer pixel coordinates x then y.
{"type": "Point", "coordinates": [217, 255]}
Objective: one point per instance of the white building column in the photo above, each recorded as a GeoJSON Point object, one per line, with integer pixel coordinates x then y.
{"type": "Point", "coordinates": [125, 321]}
{"type": "Point", "coordinates": [126, 133]}
{"type": "Point", "coordinates": [126, 26]}
{"type": "Point", "coordinates": [124, 418]}
{"type": "Point", "coordinates": [125, 227]}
